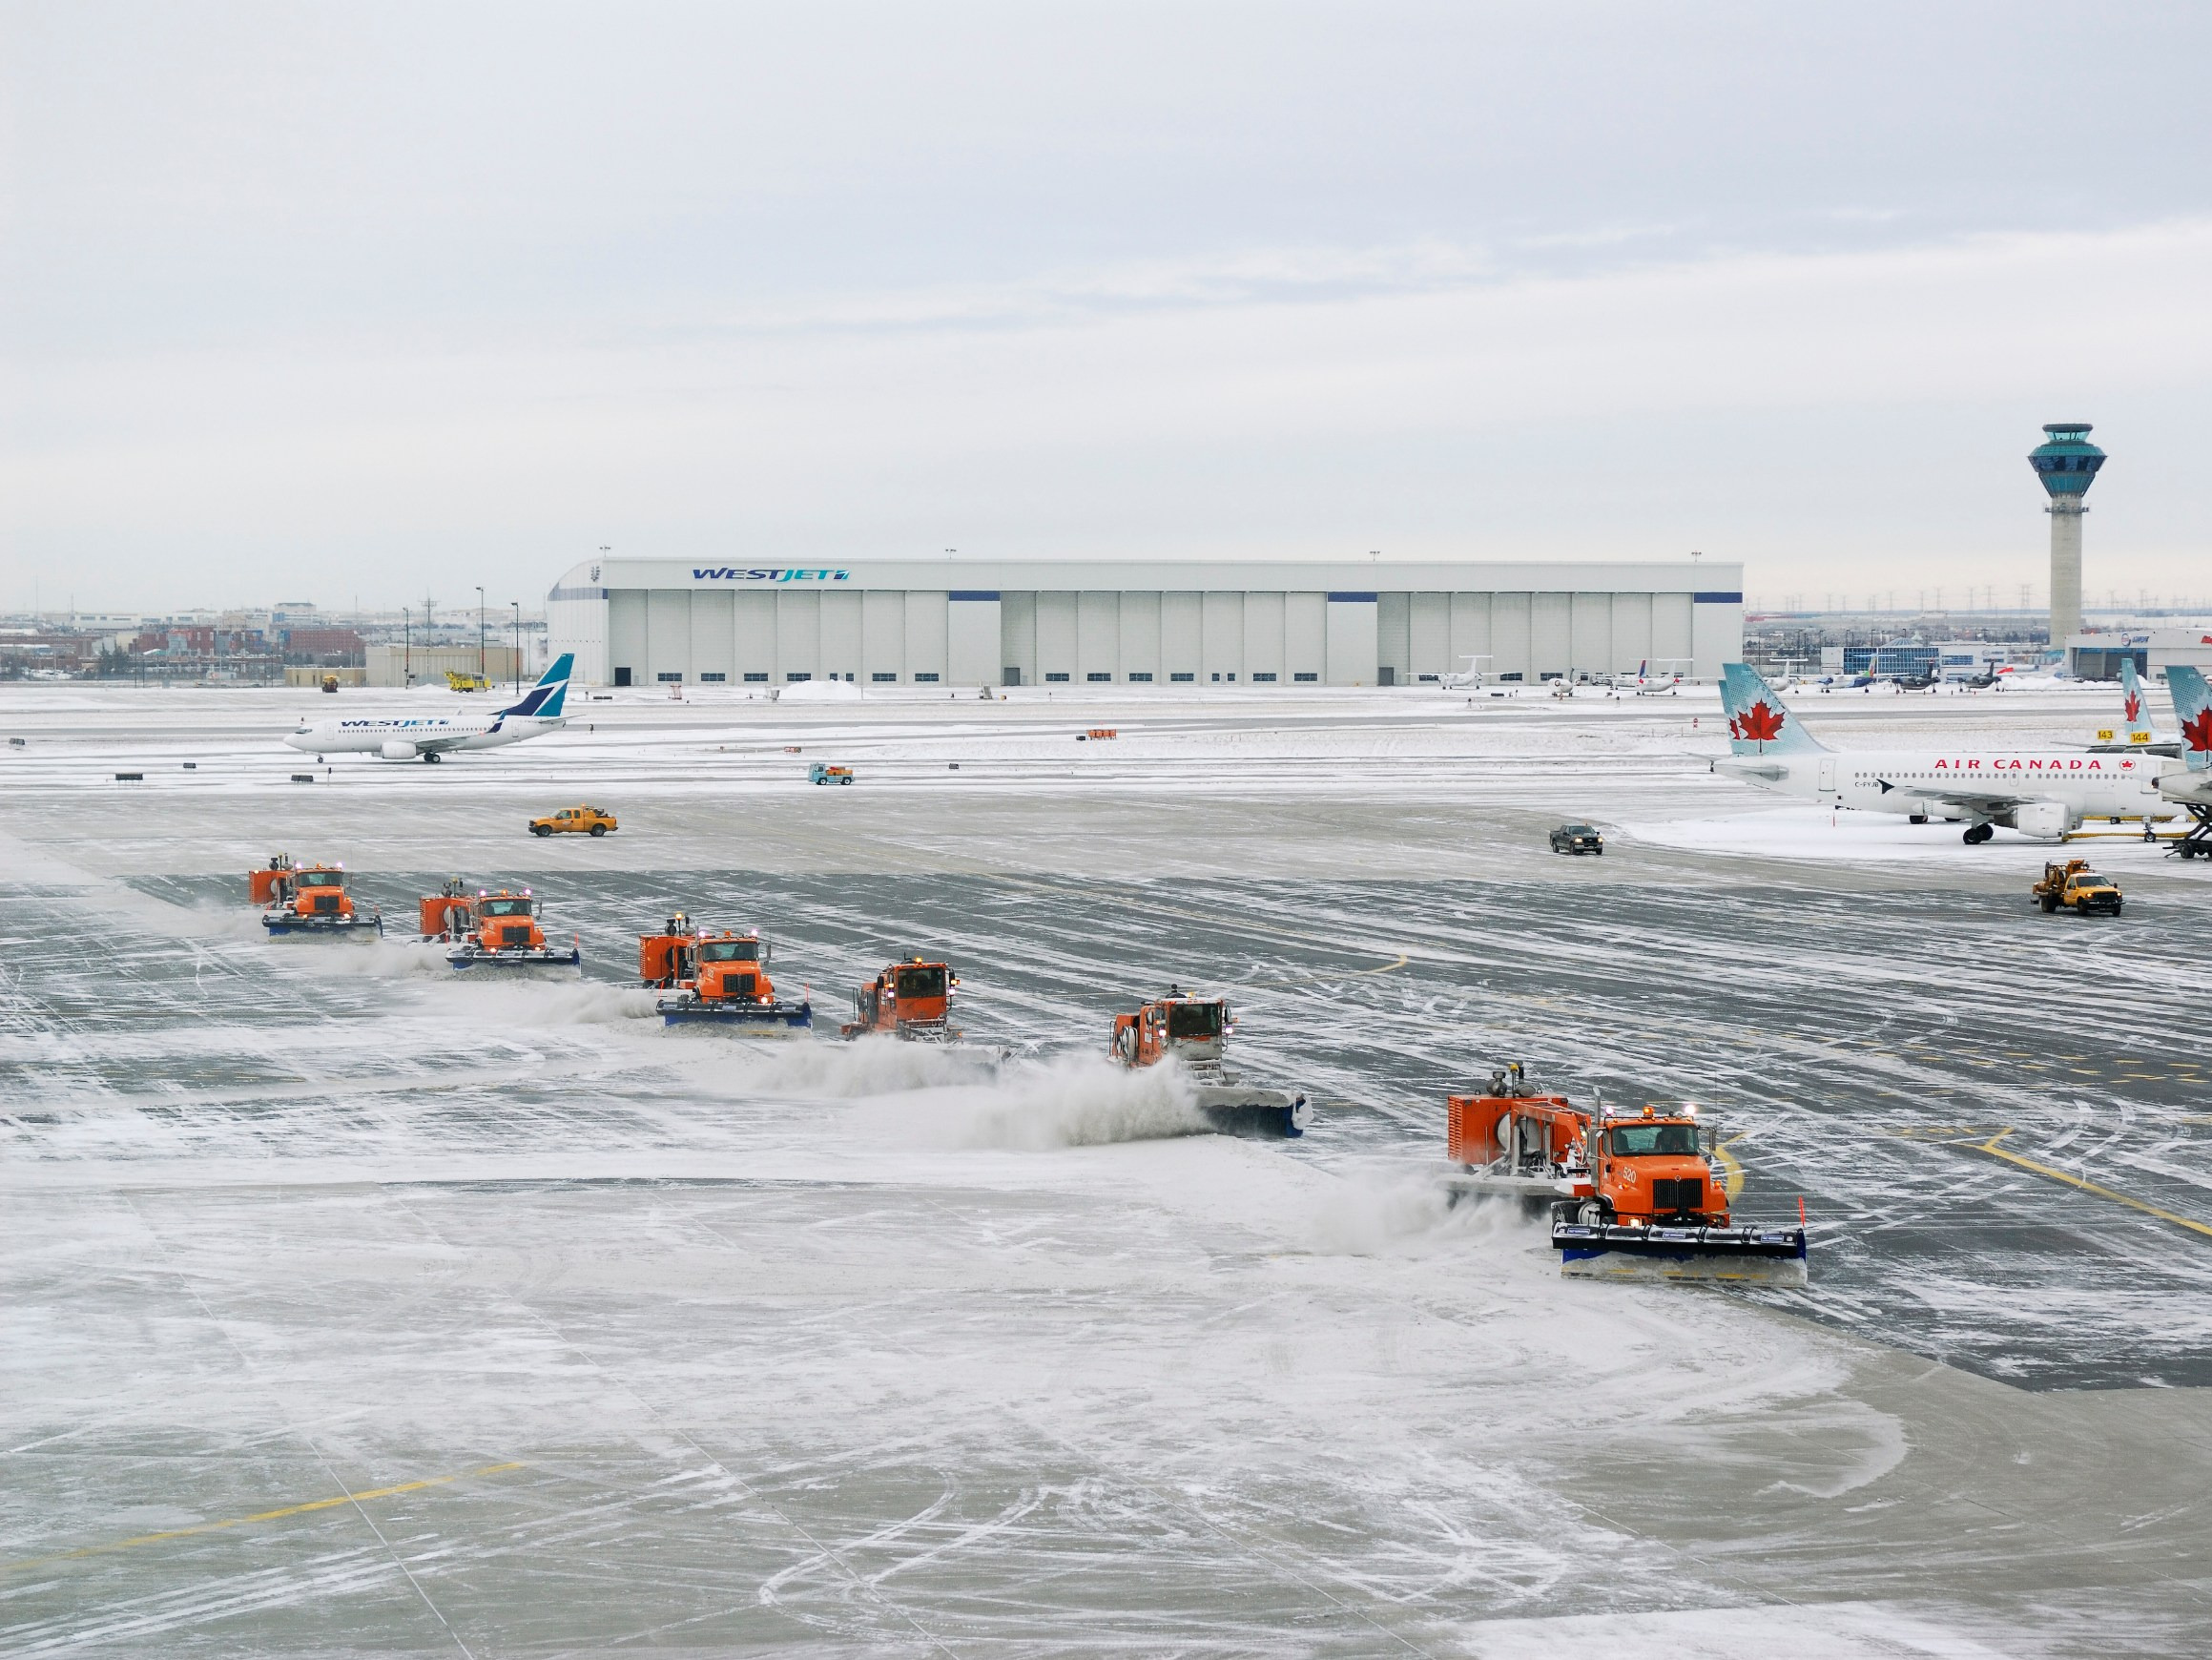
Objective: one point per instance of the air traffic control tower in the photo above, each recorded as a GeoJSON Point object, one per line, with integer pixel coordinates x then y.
{"type": "Point", "coordinates": [2066, 462]}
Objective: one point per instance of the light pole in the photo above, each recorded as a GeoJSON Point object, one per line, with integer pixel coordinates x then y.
{"type": "Point", "coordinates": [480, 632]}
{"type": "Point", "coordinates": [406, 647]}
{"type": "Point", "coordinates": [518, 645]}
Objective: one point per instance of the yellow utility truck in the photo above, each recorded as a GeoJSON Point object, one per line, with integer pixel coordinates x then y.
{"type": "Point", "coordinates": [2074, 886]}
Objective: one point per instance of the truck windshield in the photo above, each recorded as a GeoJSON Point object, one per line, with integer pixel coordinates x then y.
{"type": "Point", "coordinates": [1638, 1140]}
{"type": "Point", "coordinates": [729, 950]}
{"type": "Point", "coordinates": [320, 879]}
{"type": "Point", "coordinates": [505, 907]}
{"type": "Point", "coordinates": [2089, 879]}
{"type": "Point", "coordinates": [1194, 1020]}
{"type": "Point", "coordinates": [924, 981]}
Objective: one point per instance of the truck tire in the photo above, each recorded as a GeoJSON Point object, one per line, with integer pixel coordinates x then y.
{"type": "Point", "coordinates": [541, 829]}
{"type": "Point", "coordinates": [845, 780]}
{"type": "Point", "coordinates": [598, 829]}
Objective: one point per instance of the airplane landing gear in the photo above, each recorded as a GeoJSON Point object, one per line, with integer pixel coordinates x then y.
{"type": "Point", "coordinates": [434, 756]}
{"type": "Point", "coordinates": [1916, 818]}
{"type": "Point", "coordinates": [1976, 834]}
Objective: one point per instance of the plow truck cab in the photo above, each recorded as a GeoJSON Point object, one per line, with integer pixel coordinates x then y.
{"type": "Point", "coordinates": [493, 930]}
{"type": "Point", "coordinates": [2073, 887]}
{"type": "Point", "coordinates": [911, 1001]}
{"type": "Point", "coordinates": [312, 899]}
{"type": "Point", "coordinates": [718, 980]}
{"type": "Point", "coordinates": [1192, 1033]}
{"type": "Point", "coordinates": [1658, 1210]}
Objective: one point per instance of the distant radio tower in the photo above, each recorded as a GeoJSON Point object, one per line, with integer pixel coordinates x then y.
{"type": "Point", "coordinates": [2066, 462]}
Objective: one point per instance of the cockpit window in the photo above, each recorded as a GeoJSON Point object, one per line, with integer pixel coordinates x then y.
{"type": "Point", "coordinates": [729, 950]}
{"type": "Point", "coordinates": [506, 907]}
{"type": "Point", "coordinates": [928, 982]}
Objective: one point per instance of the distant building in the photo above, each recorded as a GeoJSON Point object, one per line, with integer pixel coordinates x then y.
{"type": "Point", "coordinates": [405, 665]}
{"type": "Point", "coordinates": [1030, 622]}
{"type": "Point", "coordinates": [2097, 656]}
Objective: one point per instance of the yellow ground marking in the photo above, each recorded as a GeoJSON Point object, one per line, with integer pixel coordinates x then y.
{"type": "Point", "coordinates": [277, 1515]}
{"type": "Point", "coordinates": [1991, 1147]}
{"type": "Point", "coordinates": [1734, 1179]}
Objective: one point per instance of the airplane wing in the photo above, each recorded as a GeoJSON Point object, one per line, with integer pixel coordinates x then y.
{"type": "Point", "coordinates": [1965, 801]}
{"type": "Point", "coordinates": [440, 745]}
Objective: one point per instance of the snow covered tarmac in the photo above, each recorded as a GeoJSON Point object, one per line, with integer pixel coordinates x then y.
{"type": "Point", "coordinates": [624, 1337]}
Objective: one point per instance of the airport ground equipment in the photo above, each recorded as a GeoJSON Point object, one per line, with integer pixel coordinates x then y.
{"type": "Point", "coordinates": [1193, 1032]}
{"type": "Point", "coordinates": [458, 682]}
{"type": "Point", "coordinates": [1633, 1196]}
{"type": "Point", "coordinates": [273, 883]}
{"type": "Point", "coordinates": [576, 822]}
{"type": "Point", "coordinates": [818, 774]}
{"type": "Point", "coordinates": [910, 1000]}
{"type": "Point", "coordinates": [719, 980]}
{"type": "Point", "coordinates": [330, 683]}
{"type": "Point", "coordinates": [2071, 885]}
{"type": "Point", "coordinates": [486, 930]}
{"type": "Point", "coordinates": [1577, 838]}
{"type": "Point", "coordinates": [312, 899]}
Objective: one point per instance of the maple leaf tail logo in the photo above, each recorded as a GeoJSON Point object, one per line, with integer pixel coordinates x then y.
{"type": "Point", "coordinates": [1757, 724]}
{"type": "Point", "coordinates": [2196, 731]}
{"type": "Point", "coordinates": [2134, 708]}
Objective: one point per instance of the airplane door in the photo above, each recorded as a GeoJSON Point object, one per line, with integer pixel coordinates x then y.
{"type": "Point", "coordinates": [1828, 776]}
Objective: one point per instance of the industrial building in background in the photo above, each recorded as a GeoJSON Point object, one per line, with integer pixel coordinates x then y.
{"type": "Point", "coordinates": [639, 622]}
{"type": "Point", "coordinates": [2067, 464]}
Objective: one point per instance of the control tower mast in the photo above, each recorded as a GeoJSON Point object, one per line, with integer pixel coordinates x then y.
{"type": "Point", "coordinates": [2066, 462]}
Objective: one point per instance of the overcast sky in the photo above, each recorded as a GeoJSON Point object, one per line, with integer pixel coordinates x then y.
{"type": "Point", "coordinates": [317, 300]}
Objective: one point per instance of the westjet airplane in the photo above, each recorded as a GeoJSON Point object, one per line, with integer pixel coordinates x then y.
{"type": "Point", "coordinates": [429, 736]}
{"type": "Point", "coordinates": [2039, 793]}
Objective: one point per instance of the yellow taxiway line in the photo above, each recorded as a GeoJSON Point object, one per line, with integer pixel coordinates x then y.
{"type": "Point", "coordinates": [277, 1515]}
{"type": "Point", "coordinates": [1991, 1147]}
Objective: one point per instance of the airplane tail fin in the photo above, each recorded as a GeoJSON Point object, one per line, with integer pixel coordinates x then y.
{"type": "Point", "coordinates": [2192, 710]}
{"type": "Point", "coordinates": [2141, 726]}
{"type": "Point", "coordinates": [544, 701]}
{"type": "Point", "coordinates": [1759, 722]}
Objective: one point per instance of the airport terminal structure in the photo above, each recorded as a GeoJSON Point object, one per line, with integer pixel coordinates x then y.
{"type": "Point", "coordinates": [958, 622]}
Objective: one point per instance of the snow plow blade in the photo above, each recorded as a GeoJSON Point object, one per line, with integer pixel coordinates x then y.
{"type": "Point", "coordinates": [291, 923]}
{"type": "Point", "coordinates": [1254, 1114]}
{"type": "Point", "coordinates": [519, 957]}
{"type": "Point", "coordinates": [761, 1018]}
{"type": "Point", "coordinates": [1759, 1255]}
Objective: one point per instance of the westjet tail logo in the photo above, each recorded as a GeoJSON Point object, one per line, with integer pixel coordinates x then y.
{"type": "Point", "coordinates": [730, 574]}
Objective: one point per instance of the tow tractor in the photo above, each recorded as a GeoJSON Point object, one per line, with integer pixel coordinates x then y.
{"type": "Point", "coordinates": [1192, 1031]}
{"type": "Point", "coordinates": [1633, 1196]}
{"type": "Point", "coordinates": [717, 979]}
{"type": "Point", "coordinates": [495, 930]}
{"type": "Point", "coordinates": [312, 899]}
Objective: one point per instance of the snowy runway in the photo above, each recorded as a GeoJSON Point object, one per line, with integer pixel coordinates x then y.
{"type": "Point", "coordinates": [645, 1338]}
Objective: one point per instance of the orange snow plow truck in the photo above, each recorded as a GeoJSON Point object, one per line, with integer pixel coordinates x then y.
{"type": "Point", "coordinates": [309, 900]}
{"type": "Point", "coordinates": [1632, 1195]}
{"type": "Point", "coordinates": [495, 930]}
{"type": "Point", "coordinates": [718, 980]}
{"type": "Point", "coordinates": [1192, 1033]}
{"type": "Point", "coordinates": [909, 999]}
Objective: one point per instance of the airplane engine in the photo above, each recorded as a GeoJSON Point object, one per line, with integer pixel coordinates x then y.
{"type": "Point", "coordinates": [2046, 819]}
{"type": "Point", "coordinates": [399, 749]}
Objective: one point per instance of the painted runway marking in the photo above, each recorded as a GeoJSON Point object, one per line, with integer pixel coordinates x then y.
{"type": "Point", "coordinates": [277, 1515]}
{"type": "Point", "coordinates": [1991, 1147]}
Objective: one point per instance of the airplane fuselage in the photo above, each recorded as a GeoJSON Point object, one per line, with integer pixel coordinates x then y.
{"type": "Point", "coordinates": [419, 734]}
{"type": "Point", "coordinates": [1946, 783]}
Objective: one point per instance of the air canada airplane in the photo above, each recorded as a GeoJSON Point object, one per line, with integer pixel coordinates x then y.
{"type": "Point", "coordinates": [2039, 793]}
{"type": "Point", "coordinates": [429, 736]}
